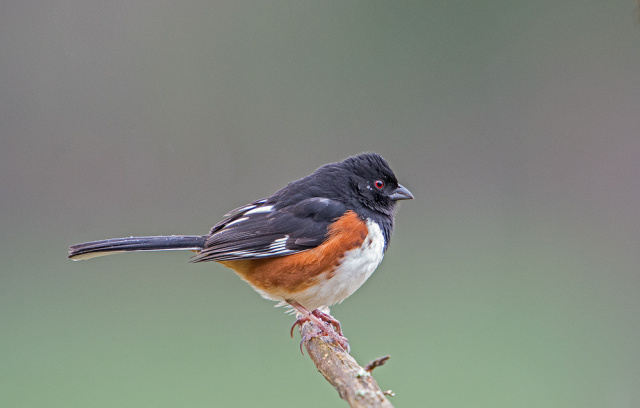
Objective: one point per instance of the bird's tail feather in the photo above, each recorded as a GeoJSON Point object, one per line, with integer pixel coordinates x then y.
{"type": "Point", "coordinates": [93, 249]}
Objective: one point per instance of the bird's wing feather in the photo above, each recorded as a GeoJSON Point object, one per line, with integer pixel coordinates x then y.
{"type": "Point", "coordinates": [261, 230]}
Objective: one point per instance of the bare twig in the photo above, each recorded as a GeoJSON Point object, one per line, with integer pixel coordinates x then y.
{"type": "Point", "coordinates": [354, 383]}
{"type": "Point", "coordinates": [376, 363]}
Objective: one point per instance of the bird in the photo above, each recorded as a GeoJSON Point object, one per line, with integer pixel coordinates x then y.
{"type": "Point", "coordinates": [310, 245]}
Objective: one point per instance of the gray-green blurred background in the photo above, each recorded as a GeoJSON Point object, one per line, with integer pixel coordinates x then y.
{"type": "Point", "coordinates": [513, 279]}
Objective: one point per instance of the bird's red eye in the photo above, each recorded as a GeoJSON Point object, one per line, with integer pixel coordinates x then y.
{"type": "Point", "coordinates": [379, 184]}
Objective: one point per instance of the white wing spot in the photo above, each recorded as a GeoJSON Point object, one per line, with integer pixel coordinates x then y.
{"type": "Point", "coordinates": [236, 221]}
{"type": "Point", "coordinates": [278, 246]}
{"type": "Point", "coordinates": [258, 210]}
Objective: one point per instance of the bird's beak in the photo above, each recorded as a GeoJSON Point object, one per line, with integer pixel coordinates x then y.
{"type": "Point", "coordinates": [401, 193]}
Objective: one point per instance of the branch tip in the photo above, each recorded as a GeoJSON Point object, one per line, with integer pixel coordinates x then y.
{"type": "Point", "coordinates": [354, 383]}
{"type": "Point", "coordinates": [376, 363]}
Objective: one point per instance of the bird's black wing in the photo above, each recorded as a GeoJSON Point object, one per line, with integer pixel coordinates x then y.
{"type": "Point", "coordinates": [264, 229]}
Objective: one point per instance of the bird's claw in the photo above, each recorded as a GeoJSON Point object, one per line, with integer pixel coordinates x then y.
{"type": "Point", "coordinates": [326, 325]}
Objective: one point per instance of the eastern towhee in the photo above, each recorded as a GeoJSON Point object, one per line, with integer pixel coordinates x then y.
{"type": "Point", "coordinates": [310, 244]}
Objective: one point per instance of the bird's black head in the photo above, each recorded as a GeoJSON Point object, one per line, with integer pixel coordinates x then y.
{"type": "Point", "coordinates": [374, 183]}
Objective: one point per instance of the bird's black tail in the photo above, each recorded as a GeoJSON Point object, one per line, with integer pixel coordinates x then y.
{"type": "Point", "coordinates": [118, 245]}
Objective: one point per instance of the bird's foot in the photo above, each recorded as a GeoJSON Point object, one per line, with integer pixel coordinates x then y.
{"type": "Point", "coordinates": [325, 325]}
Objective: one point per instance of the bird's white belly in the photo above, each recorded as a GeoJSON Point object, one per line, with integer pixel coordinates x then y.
{"type": "Point", "coordinates": [356, 267]}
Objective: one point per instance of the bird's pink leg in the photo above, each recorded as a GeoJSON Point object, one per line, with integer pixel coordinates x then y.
{"type": "Point", "coordinates": [327, 326]}
{"type": "Point", "coordinates": [328, 319]}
